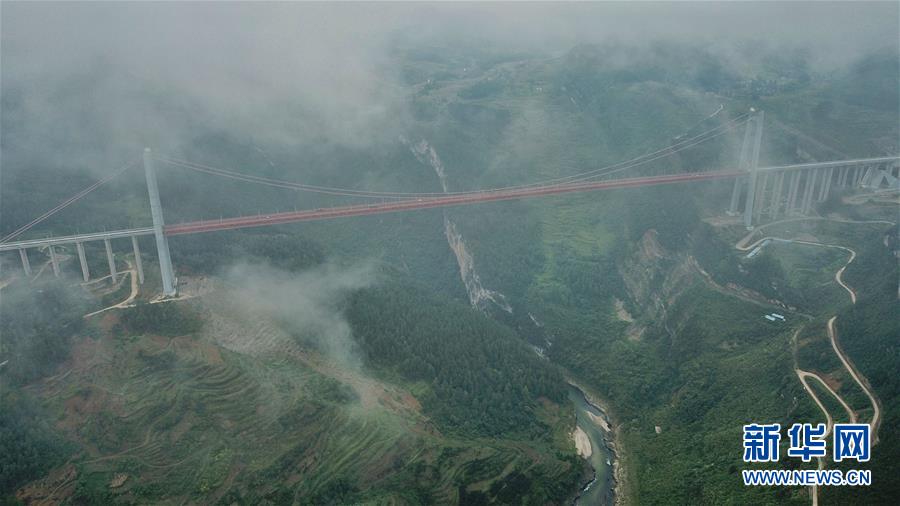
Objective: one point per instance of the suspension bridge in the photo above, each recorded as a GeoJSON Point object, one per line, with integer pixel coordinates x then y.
{"type": "Point", "coordinates": [764, 191]}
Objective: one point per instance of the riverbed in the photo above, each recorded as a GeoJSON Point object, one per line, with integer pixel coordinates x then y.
{"type": "Point", "coordinates": [588, 418]}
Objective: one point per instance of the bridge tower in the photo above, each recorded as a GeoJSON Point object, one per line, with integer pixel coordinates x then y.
{"type": "Point", "coordinates": [742, 165]}
{"type": "Point", "coordinates": [753, 166]}
{"type": "Point", "coordinates": [162, 244]}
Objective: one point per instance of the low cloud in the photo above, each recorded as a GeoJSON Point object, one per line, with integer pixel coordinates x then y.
{"type": "Point", "coordinates": [306, 304]}
{"type": "Point", "coordinates": [89, 84]}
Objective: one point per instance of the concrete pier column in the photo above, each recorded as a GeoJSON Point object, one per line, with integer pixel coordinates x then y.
{"type": "Point", "coordinates": [843, 176]}
{"type": "Point", "coordinates": [821, 189]}
{"type": "Point", "coordinates": [807, 202]}
{"type": "Point", "coordinates": [761, 196]}
{"type": "Point", "coordinates": [138, 264]}
{"type": "Point", "coordinates": [751, 196]}
{"type": "Point", "coordinates": [162, 244]}
{"type": "Point", "coordinates": [776, 196]}
{"type": "Point", "coordinates": [826, 184]}
{"type": "Point", "coordinates": [85, 272]}
{"type": "Point", "coordinates": [801, 208]}
{"type": "Point", "coordinates": [792, 193]}
{"type": "Point", "coordinates": [53, 260]}
{"type": "Point", "coordinates": [26, 265]}
{"type": "Point", "coordinates": [735, 195]}
{"type": "Point", "coordinates": [804, 186]}
{"type": "Point", "coordinates": [867, 176]}
{"type": "Point", "coordinates": [808, 185]}
{"type": "Point", "coordinates": [855, 179]}
{"type": "Point", "coordinates": [111, 260]}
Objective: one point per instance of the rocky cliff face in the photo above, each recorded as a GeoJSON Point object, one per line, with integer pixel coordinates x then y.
{"type": "Point", "coordinates": [654, 278]}
{"type": "Point", "coordinates": [479, 296]}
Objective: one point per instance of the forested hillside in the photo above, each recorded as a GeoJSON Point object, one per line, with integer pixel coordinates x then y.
{"type": "Point", "coordinates": [344, 362]}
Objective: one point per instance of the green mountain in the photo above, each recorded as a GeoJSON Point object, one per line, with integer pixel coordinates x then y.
{"type": "Point", "coordinates": [423, 358]}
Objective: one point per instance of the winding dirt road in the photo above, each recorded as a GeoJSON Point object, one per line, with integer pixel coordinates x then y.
{"type": "Point", "coordinates": [832, 336]}
{"type": "Point", "coordinates": [860, 380]}
{"type": "Point", "coordinates": [804, 375]}
{"type": "Point", "coordinates": [132, 272]}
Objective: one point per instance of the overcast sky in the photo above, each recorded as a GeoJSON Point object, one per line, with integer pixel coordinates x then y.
{"type": "Point", "coordinates": [88, 67]}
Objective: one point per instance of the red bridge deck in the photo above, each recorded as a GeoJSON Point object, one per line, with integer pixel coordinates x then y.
{"type": "Point", "coordinates": [441, 201]}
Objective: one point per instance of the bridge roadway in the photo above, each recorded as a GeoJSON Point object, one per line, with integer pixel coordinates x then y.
{"type": "Point", "coordinates": [359, 210]}
{"type": "Point", "coordinates": [432, 202]}
{"type": "Point", "coordinates": [425, 203]}
{"type": "Point", "coordinates": [491, 196]}
{"type": "Point", "coordinates": [72, 239]}
{"type": "Point", "coordinates": [831, 164]}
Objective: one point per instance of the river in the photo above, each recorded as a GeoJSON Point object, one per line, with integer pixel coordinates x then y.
{"type": "Point", "coordinates": [600, 490]}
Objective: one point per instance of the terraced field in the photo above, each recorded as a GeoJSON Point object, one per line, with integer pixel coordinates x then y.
{"type": "Point", "coordinates": [241, 412]}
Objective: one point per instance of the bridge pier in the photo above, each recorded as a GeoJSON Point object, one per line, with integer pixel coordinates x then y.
{"type": "Point", "coordinates": [826, 185]}
{"type": "Point", "coordinates": [776, 197]}
{"type": "Point", "coordinates": [26, 265]}
{"type": "Point", "coordinates": [138, 264]}
{"type": "Point", "coordinates": [85, 272]}
{"type": "Point", "coordinates": [751, 196]}
{"type": "Point", "coordinates": [111, 260]}
{"type": "Point", "coordinates": [814, 183]}
{"type": "Point", "coordinates": [53, 260]}
{"type": "Point", "coordinates": [807, 189]}
{"type": "Point", "coordinates": [162, 244]}
{"type": "Point", "coordinates": [735, 195]}
{"type": "Point", "coordinates": [794, 188]}
{"type": "Point", "coordinates": [813, 178]}
{"type": "Point", "coordinates": [868, 174]}
{"type": "Point", "coordinates": [881, 177]}
{"type": "Point", "coordinates": [820, 191]}
{"type": "Point", "coordinates": [761, 197]}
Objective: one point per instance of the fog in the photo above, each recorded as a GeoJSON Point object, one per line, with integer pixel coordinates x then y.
{"type": "Point", "coordinates": [307, 305]}
{"type": "Point", "coordinates": [98, 80]}
{"type": "Point", "coordinates": [582, 291]}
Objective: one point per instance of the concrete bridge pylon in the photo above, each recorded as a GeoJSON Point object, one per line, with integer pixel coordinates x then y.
{"type": "Point", "coordinates": [749, 205]}
{"type": "Point", "coordinates": [162, 243]}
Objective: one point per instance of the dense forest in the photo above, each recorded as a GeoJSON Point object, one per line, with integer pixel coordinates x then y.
{"type": "Point", "coordinates": [639, 294]}
{"type": "Point", "coordinates": [480, 377]}
{"type": "Point", "coordinates": [37, 324]}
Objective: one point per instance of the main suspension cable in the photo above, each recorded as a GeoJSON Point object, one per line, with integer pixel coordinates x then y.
{"type": "Point", "coordinates": [574, 178]}
{"type": "Point", "coordinates": [66, 203]}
